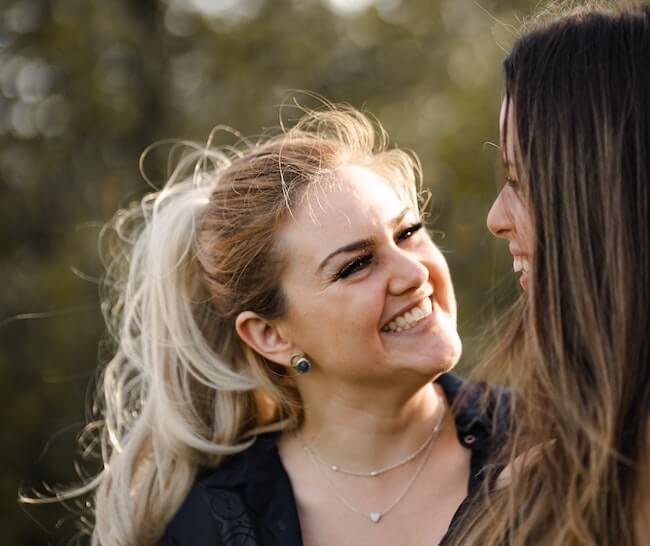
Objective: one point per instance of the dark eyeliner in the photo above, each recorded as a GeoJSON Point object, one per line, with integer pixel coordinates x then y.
{"type": "Point", "coordinates": [360, 261]}
{"type": "Point", "coordinates": [509, 181]}
{"type": "Point", "coordinates": [353, 266]}
{"type": "Point", "coordinates": [409, 231]}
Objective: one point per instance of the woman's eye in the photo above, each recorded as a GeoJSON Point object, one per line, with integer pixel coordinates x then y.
{"type": "Point", "coordinates": [355, 265]}
{"type": "Point", "coordinates": [409, 231]}
{"type": "Point", "coordinates": [514, 184]}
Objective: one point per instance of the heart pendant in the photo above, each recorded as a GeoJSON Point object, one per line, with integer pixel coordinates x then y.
{"type": "Point", "coordinates": [375, 517]}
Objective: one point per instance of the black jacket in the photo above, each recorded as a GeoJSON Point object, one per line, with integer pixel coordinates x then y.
{"type": "Point", "coordinates": [249, 501]}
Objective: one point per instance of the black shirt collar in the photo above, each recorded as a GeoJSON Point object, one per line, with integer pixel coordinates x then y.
{"type": "Point", "coordinates": [259, 468]}
{"type": "Point", "coordinates": [258, 478]}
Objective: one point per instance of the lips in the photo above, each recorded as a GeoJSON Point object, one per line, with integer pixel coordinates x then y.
{"type": "Point", "coordinates": [523, 281]}
{"type": "Point", "coordinates": [521, 263]}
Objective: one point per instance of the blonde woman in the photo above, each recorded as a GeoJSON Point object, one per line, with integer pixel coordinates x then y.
{"type": "Point", "coordinates": [280, 317]}
{"type": "Point", "coordinates": [575, 210]}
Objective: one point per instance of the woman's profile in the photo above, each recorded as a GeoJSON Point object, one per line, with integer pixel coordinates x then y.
{"type": "Point", "coordinates": [575, 210]}
{"type": "Point", "coordinates": [280, 315]}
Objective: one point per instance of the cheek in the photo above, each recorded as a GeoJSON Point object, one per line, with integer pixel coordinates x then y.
{"type": "Point", "coordinates": [342, 317]}
{"type": "Point", "coordinates": [433, 259]}
{"type": "Point", "coordinates": [521, 219]}
{"type": "Point", "coordinates": [443, 284]}
{"type": "Point", "coordinates": [340, 329]}
{"type": "Point", "coordinates": [352, 316]}
{"type": "Point", "coordinates": [357, 308]}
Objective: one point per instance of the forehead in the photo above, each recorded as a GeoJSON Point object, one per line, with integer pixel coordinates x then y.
{"type": "Point", "coordinates": [350, 205]}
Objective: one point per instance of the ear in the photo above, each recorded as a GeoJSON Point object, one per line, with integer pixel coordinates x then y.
{"type": "Point", "coordinates": [264, 337]}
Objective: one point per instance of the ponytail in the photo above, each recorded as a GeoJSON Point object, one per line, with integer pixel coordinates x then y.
{"type": "Point", "coordinates": [182, 390]}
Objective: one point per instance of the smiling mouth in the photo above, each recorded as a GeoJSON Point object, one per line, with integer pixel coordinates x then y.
{"type": "Point", "coordinates": [520, 263]}
{"type": "Point", "coordinates": [410, 318]}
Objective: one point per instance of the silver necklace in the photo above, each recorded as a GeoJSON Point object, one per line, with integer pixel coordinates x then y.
{"type": "Point", "coordinates": [379, 472]}
{"type": "Point", "coordinates": [376, 517]}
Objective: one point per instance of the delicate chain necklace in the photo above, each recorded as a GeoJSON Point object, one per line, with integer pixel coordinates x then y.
{"type": "Point", "coordinates": [376, 517]}
{"type": "Point", "coordinates": [379, 472]}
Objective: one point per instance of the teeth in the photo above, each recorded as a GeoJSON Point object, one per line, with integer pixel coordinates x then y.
{"type": "Point", "coordinates": [417, 313]}
{"type": "Point", "coordinates": [410, 318]}
{"type": "Point", "coordinates": [520, 264]}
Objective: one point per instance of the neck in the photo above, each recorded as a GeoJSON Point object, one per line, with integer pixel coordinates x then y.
{"type": "Point", "coordinates": [367, 431]}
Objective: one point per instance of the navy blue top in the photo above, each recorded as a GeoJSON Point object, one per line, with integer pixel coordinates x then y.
{"type": "Point", "coordinates": [248, 501]}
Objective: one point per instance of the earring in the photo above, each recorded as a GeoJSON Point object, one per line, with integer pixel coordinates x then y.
{"type": "Point", "coordinates": [300, 363]}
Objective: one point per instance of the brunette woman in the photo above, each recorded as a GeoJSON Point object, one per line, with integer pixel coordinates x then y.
{"type": "Point", "coordinates": [575, 209]}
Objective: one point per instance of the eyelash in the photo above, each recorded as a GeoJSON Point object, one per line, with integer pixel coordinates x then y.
{"type": "Point", "coordinates": [514, 184]}
{"type": "Point", "coordinates": [410, 231]}
{"type": "Point", "coordinates": [361, 261]}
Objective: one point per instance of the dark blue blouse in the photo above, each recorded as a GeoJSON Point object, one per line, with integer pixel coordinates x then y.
{"type": "Point", "coordinates": [249, 501]}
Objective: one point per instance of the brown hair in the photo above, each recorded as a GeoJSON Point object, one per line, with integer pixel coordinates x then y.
{"type": "Point", "coordinates": [577, 352]}
{"type": "Point", "coordinates": [240, 262]}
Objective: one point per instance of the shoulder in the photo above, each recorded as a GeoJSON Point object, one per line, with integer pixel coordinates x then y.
{"type": "Point", "coordinates": [218, 505]}
{"type": "Point", "coordinates": [481, 411]}
{"type": "Point", "coordinates": [193, 524]}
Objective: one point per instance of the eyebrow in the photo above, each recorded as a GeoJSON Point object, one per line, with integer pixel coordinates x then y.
{"type": "Point", "coordinates": [362, 244]}
{"type": "Point", "coordinates": [508, 165]}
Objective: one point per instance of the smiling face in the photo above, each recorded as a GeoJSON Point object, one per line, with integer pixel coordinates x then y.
{"type": "Point", "coordinates": [509, 217]}
{"type": "Point", "coordinates": [368, 292]}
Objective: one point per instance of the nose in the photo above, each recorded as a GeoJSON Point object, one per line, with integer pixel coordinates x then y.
{"type": "Point", "coordinates": [499, 222]}
{"type": "Point", "coordinates": [408, 273]}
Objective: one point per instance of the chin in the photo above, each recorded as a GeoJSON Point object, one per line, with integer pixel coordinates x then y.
{"type": "Point", "coordinates": [446, 358]}
{"type": "Point", "coordinates": [437, 360]}
{"type": "Point", "coordinates": [456, 350]}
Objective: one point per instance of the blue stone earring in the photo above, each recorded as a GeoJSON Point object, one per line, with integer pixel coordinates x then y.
{"type": "Point", "coordinates": [300, 363]}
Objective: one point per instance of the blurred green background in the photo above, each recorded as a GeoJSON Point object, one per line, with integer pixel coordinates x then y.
{"type": "Point", "coordinates": [86, 85]}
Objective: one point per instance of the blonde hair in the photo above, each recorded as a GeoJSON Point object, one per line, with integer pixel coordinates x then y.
{"type": "Point", "coordinates": [182, 389]}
